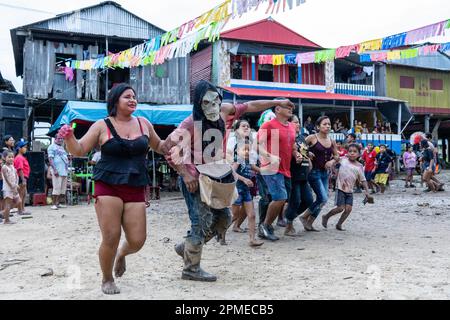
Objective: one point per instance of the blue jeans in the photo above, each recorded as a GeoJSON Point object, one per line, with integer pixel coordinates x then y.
{"type": "Point", "coordinates": [318, 180]}
{"type": "Point", "coordinates": [206, 222]}
{"type": "Point", "coordinates": [278, 186]}
{"type": "Point", "coordinates": [300, 199]}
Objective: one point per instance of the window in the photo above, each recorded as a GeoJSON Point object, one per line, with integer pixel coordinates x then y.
{"type": "Point", "coordinates": [293, 74]}
{"type": "Point", "coordinates": [265, 72]}
{"type": "Point", "coordinates": [436, 84]}
{"type": "Point", "coordinates": [236, 70]}
{"type": "Point", "coordinates": [61, 58]}
{"type": "Point", "coordinates": [406, 82]}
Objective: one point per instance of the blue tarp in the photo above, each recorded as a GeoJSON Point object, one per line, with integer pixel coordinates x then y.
{"type": "Point", "coordinates": [164, 115]}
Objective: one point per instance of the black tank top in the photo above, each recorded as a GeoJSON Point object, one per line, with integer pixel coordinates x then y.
{"type": "Point", "coordinates": [123, 162]}
{"type": "Point", "coordinates": [322, 155]}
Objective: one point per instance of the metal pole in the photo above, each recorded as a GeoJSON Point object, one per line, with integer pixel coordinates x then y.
{"type": "Point", "coordinates": [412, 117]}
{"type": "Point", "coordinates": [399, 122]}
{"type": "Point", "coordinates": [427, 123]}
{"type": "Point", "coordinates": [107, 72]}
{"type": "Point", "coordinates": [352, 115]}
{"type": "Point", "coordinates": [300, 112]}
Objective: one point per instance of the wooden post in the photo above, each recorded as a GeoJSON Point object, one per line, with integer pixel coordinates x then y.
{"type": "Point", "coordinates": [427, 123]}
{"type": "Point", "coordinates": [352, 115]}
{"type": "Point", "coordinates": [107, 71]}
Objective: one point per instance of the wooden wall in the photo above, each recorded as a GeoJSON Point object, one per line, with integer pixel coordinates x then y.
{"type": "Point", "coordinates": [422, 98]}
{"type": "Point", "coordinates": [163, 84]}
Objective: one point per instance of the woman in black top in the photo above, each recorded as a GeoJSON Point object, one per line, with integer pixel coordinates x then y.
{"type": "Point", "coordinates": [121, 176]}
{"type": "Point", "coordinates": [428, 166]}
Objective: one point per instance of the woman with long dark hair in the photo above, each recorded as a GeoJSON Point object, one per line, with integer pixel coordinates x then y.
{"type": "Point", "coordinates": [323, 150]}
{"type": "Point", "coordinates": [8, 143]}
{"type": "Point", "coordinates": [120, 178]}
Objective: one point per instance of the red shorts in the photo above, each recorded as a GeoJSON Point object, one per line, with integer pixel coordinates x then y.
{"type": "Point", "coordinates": [124, 192]}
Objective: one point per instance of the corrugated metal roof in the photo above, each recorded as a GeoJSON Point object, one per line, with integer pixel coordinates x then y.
{"type": "Point", "coordinates": [107, 19]}
{"type": "Point", "coordinates": [436, 61]}
{"type": "Point", "coordinates": [268, 31]}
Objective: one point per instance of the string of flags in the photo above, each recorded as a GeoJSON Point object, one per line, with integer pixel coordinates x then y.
{"type": "Point", "coordinates": [180, 41]}
{"type": "Point", "coordinates": [331, 54]}
{"type": "Point", "coordinates": [373, 50]}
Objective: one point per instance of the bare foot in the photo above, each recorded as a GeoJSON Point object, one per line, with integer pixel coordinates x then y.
{"type": "Point", "coordinates": [339, 227]}
{"type": "Point", "coordinates": [325, 221]}
{"type": "Point", "coordinates": [120, 267]}
{"type": "Point", "coordinates": [311, 229]}
{"type": "Point", "coordinates": [238, 230]}
{"type": "Point", "coordinates": [109, 287]}
{"type": "Point", "coordinates": [256, 243]}
{"type": "Point", "coordinates": [304, 222]}
{"type": "Point", "coordinates": [290, 231]}
{"type": "Point", "coordinates": [9, 223]}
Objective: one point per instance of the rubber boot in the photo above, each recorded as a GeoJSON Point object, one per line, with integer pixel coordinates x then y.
{"type": "Point", "coordinates": [192, 270]}
{"type": "Point", "coordinates": [179, 249]}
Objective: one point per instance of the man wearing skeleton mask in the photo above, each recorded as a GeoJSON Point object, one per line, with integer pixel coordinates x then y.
{"type": "Point", "coordinates": [189, 140]}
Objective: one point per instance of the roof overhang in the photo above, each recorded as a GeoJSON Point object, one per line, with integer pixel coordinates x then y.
{"type": "Point", "coordinates": [293, 94]}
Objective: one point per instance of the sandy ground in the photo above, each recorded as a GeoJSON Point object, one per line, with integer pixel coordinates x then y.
{"type": "Point", "coordinates": [397, 248]}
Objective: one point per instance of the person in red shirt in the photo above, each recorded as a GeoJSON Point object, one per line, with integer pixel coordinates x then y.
{"type": "Point", "coordinates": [276, 148]}
{"type": "Point", "coordinates": [23, 170]}
{"type": "Point", "coordinates": [341, 149]}
{"type": "Point", "coordinates": [369, 156]}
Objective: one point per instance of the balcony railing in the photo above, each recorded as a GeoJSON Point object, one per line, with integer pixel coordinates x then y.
{"type": "Point", "coordinates": [355, 89]}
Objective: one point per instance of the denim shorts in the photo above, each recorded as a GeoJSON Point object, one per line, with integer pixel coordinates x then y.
{"type": "Point", "coordinates": [344, 198]}
{"type": "Point", "coordinates": [278, 185]}
{"type": "Point", "coordinates": [244, 195]}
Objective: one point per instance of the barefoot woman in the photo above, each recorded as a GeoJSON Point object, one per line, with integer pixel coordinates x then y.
{"type": "Point", "coordinates": [323, 150]}
{"type": "Point", "coordinates": [120, 178]}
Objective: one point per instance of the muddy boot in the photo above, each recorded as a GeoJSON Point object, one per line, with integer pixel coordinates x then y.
{"type": "Point", "coordinates": [192, 270]}
{"type": "Point", "coordinates": [179, 249]}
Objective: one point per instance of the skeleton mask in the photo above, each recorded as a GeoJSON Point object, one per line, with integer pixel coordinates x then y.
{"type": "Point", "coordinates": [211, 105]}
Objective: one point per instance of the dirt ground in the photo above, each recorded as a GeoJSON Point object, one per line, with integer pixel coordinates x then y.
{"type": "Point", "coordinates": [397, 248]}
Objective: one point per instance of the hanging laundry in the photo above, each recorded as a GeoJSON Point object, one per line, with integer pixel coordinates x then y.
{"type": "Point", "coordinates": [394, 41]}
{"type": "Point", "coordinates": [290, 58]}
{"type": "Point", "coordinates": [430, 31]}
{"type": "Point", "coordinates": [69, 73]}
{"type": "Point", "coordinates": [368, 70]}
{"type": "Point", "coordinates": [378, 56]}
{"type": "Point", "coordinates": [265, 59]}
{"type": "Point", "coordinates": [372, 45]}
{"type": "Point", "coordinates": [325, 55]}
{"type": "Point", "coordinates": [278, 59]}
{"type": "Point", "coordinates": [306, 58]}
{"type": "Point", "coordinates": [393, 55]}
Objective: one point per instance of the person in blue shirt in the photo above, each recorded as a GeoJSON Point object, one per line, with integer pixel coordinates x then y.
{"type": "Point", "coordinates": [59, 164]}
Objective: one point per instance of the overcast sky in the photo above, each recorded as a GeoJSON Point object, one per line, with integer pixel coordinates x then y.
{"type": "Point", "coordinates": [330, 23]}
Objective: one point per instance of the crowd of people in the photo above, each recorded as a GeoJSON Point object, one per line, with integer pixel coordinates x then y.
{"type": "Point", "coordinates": [290, 168]}
{"type": "Point", "coordinates": [359, 127]}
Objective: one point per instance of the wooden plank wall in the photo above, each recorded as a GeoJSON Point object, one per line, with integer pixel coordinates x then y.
{"type": "Point", "coordinates": [163, 84]}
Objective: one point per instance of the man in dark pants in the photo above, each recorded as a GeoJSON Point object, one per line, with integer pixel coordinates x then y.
{"type": "Point", "coordinates": [209, 113]}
